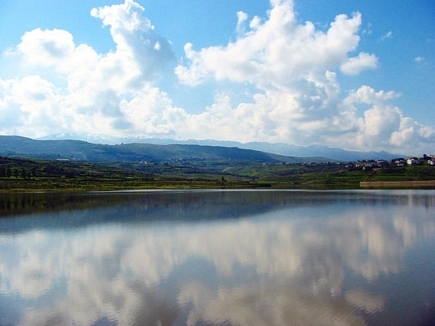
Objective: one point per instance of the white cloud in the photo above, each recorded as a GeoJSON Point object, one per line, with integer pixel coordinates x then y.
{"type": "Point", "coordinates": [241, 19]}
{"type": "Point", "coordinates": [87, 89]}
{"type": "Point", "coordinates": [140, 53]}
{"type": "Point", "coordinates": [152, 112]}
{"type": "Point", "coordinates": [46, 47]}
{"type": "Point", "coordinates": [388, 35]}
{"type": "Point", "coordinates": [277, 52]}
{"type": "Point", "coordinates": [368, 95]}
{"type": "Point", "coordinates": [137, 44]}
{"type": "Point", "coordinates": [384, 126]}
{"type": "Point", "coordinates": [353, 66]}
{"type": "Point", "coordinates": [32, 101]}
{"type": "Point", "coordinates": [381, 122]}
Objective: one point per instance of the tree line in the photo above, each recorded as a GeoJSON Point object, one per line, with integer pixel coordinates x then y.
{"type": "Point", "coordinates": [9, 172]}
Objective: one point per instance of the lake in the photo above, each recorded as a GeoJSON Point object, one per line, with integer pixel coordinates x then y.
{"type": "Point", "coordinates": [218, 257]}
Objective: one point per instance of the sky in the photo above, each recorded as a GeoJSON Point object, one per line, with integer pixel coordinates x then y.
{"type": "Point", "coordinates": [357, 75]}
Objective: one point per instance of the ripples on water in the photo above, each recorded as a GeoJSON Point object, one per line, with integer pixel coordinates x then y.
{"type": "Point", "coordinates": [218, 258]}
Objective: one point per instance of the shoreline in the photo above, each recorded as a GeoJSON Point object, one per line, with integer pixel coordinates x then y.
{"type": "Point", "coordinates": [397, 184]}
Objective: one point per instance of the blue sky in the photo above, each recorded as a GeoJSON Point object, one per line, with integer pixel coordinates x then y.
{"type": "Point", "coordinates": [352, 74]}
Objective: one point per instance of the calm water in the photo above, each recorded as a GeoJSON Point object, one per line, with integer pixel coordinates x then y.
{"type": "Point", "coordinates": [218, 258]}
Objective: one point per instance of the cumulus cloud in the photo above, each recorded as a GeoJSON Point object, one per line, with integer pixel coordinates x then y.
{"type": "Point", "coordinates": [46, 47]}
{"type": "Point", "coordinates": [32, 101]}
{"type": "Point", "coordinates": [292, 70]}
{"type": "Point", "coordinates": [92, 86]}
{"type": "Point", "coordinates": [355, 65]}
{"type": "Point", "coordinates": [368, 95]}
{"type": "Point", "coordinates": [276, 52]}
{"type": "Point", "coordinates": [383, 125]}
{"type": "Point", "coordinates": [137, 44]}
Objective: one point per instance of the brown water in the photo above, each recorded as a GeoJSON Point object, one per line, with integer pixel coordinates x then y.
{"type": "Point", "coordinates": [218, 258]}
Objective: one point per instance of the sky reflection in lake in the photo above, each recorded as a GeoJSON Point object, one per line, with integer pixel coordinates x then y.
{"type": "Point", "coordinates": [221, 258]}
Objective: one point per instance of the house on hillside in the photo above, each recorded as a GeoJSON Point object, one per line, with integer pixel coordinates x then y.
{"type": "Point", "coordinates": [398, 162]}
{"type": "Point", "coordinates": [381, 163]}
{"type": "Point", "coordinates": [412, 160]}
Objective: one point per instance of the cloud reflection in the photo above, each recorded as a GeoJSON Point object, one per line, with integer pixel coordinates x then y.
{"type": "Point", "coordinates": [281, 267]}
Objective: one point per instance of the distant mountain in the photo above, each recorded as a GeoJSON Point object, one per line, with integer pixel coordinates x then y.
{"type": "Point", "coordinates": [90, 138]}
{"type": "Point", "coordinates": [15, 146]}
{"type": "Point", "coordinates": [317, 151]}
{"type": "Point", "coordinates": [320, 151]}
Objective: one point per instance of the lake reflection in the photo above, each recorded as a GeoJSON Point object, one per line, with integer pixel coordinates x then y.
{"type": "Point", "coordinates": [218, 258]}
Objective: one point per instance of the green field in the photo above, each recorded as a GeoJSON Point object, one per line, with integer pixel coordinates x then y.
{"type": "Point", "coordinates": [56, 175]}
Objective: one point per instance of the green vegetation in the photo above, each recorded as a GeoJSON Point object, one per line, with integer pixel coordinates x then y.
{"type": "Point", "coordinates": [17, 174]}
{"type": "Point", "coordinates": [405, 173]}
{"type": "Point", "coordinates": [27, 174]}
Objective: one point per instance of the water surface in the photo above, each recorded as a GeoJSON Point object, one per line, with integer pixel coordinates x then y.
{"type": "Point", "coordinates": [218, 258]}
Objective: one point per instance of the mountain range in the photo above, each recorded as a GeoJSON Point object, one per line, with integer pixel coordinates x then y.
{"type": "Point", "coordinates": [307, 152]}
{"type": "Point", "coordinates": [16, 146]}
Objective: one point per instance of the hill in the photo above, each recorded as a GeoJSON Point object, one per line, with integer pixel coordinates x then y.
{"type": "Point", "coordinates": [15, 146]}
{"type": "Point", "coordinates": [327, 153]}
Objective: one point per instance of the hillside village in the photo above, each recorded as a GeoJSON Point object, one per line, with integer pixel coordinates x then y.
{"type": "Point", "coordinates": [367, 165]}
